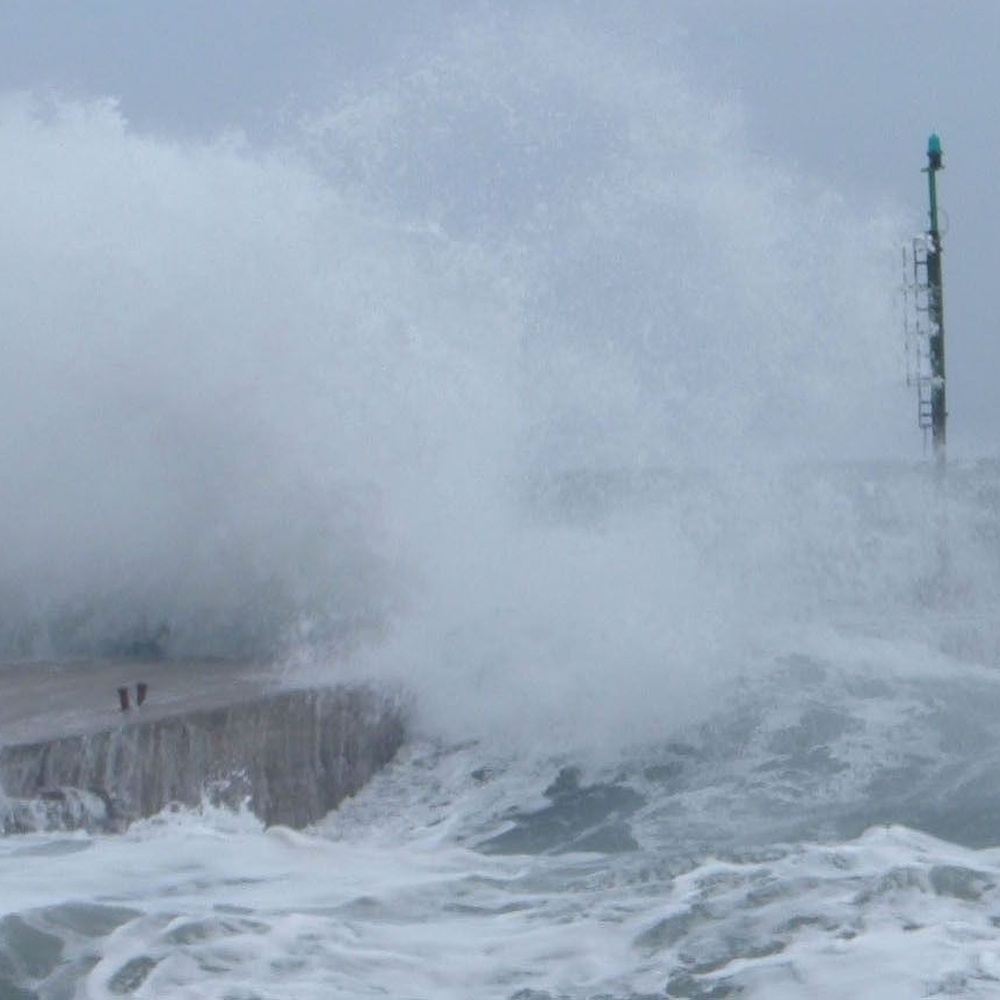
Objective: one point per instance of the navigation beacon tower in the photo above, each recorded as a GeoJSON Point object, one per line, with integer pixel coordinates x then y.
{"type": "Point", "coordinates": [925, 316]}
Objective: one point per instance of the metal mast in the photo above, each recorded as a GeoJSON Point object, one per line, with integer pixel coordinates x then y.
{"type": "Point", "coordinates": [935, 307]}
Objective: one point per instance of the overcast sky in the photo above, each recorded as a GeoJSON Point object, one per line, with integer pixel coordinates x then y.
{"type": "Point", "coordinates": [845, 91]}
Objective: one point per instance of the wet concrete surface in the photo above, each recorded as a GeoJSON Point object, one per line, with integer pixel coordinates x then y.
{"type": "Point", "coordinates": [236, 732]}
{"type": "Point", "coordinates": [40, 701]}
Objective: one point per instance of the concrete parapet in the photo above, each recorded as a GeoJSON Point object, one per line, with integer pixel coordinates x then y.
{"type": "Point", "coordinates": [290, 755]}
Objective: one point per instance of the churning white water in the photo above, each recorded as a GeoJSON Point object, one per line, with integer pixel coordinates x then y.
{"type": "Point", "coordinates": [515, 375]}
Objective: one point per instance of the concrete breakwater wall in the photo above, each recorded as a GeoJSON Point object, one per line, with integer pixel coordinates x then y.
{"type": "Point", "coordinates": [290, 755]}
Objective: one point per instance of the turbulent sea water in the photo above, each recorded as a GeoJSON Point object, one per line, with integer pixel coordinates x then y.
{"type": "Point", "coordinates": [816, 818]}
{"type": "Point", "coordinates": [513, 375]}
{"type": "Point", "coordinates": [461, 873]}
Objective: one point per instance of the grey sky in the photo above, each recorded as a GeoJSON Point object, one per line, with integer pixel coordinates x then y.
{"type": "Point", "coordinates": [849, 90]}
{"type": "Point", "coordinates": [845, 91]}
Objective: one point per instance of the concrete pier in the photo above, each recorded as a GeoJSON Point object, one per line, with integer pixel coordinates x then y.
{"type": "Point", "coordinates": [72, 756]}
